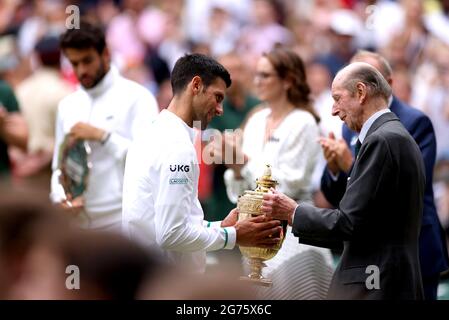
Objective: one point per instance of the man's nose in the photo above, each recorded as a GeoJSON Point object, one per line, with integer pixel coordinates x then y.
{"type": "Point", "coordinates": [334, 110]}
{"type": "Point", "coordinates": [81, 70]}
{"type": "Point", "coordinates": [219, 109]}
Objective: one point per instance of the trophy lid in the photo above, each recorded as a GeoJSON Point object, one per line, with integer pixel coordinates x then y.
{"type": "Point", "coordinates": [265, 182]}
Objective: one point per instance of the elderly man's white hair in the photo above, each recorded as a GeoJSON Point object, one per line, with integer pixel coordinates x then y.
{"type": "Point", "coordinates": [361, 72]}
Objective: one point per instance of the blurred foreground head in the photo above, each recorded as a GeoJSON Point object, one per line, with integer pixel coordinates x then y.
{"type": "Point", "coordinates": [43, 257]}
{"type": "Point", "coordinates": [24, 218]}
{"type": "Point", "coordinates": [222, 283]}
{"type": "Point", "coordinates": [86, 264]}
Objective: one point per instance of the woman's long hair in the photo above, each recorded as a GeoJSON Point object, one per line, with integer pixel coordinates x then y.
{"type": "Point", "coordinates": [289, 66]}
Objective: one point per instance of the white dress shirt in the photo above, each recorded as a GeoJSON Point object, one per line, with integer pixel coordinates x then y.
{"type": "Point", "coordinates": [121, 107]}
{"type": "Point", "coordinates": [161, 209]}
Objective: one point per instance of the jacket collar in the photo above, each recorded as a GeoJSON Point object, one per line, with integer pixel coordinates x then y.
{"type": "Point", "coordinates": [175, 119]}
{"type": "Point", "coordinates": [105, 83]}
{"type": "Point", "coordinates": [386, 117]}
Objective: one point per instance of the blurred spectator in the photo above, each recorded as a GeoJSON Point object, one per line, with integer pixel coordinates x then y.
{"type": "Point", "coordinates": [223, 30]}
{"type": "Point", "coordinates": [13, 131]}
{"type": "Point", "coordinates": [264, 31]}
{"type": "Point", "coordinates": [7, 10]}
{"type": "Point", "coordinates": [197, 14]}
{"type": "Point", "coordinates": [441, 187]}
{"type": "Point", "coordinates": [175, 43]}
{"type": "Point", "coordinates": [236, 106]}
{"type": "Point", "coordinates": [164, 94]}
{"type": "Point", "coordinates": [407, 45]}
{"type": "Point", "coordinates": [9, 121]}
{"type": "Point", "coordinates": [37, 244]}
{"type": "Point", "coordinates": [430, 92]}
{"type": "Point", "coordinates": [24, 218]}
{"type": "Point", "coordinates": [139, 25]}
{"type": "Point", "coordinates": [48, 18]}
{"type": "Point", "coordinates": [344, 28]}
{"type": "Point", "coordinates": [382, 19]}
{"type": "Point", "coordinates": [311, 23]}
{"type": "Point", "coordinates": [437, 21]}
{"type": "Point", "coordinates": [402, 86]}
{"type": "Point", "coordinates": [9, 61]}
{"type": "Point", "coordinates": [110, 266]}
{"type": "Point", "coordinates": [39, 96]}
{"type": "Point", "coordinates": [319, 80]}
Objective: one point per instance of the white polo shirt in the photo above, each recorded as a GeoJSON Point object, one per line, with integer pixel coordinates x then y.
{"type": "Point", "coordinates": [161, 209]}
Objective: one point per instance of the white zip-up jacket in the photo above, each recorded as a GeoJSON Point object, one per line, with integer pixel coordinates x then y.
{"type": "Point", "coordinates": [121, 107]}
{"type": "Point", "coordinates": [161, 209]}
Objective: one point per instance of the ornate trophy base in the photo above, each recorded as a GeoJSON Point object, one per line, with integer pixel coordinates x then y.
{"type": "Point", "coordinates": [255, 277]}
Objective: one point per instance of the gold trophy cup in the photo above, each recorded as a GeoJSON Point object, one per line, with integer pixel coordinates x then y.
{"type": "Point", "coordinates": [249, 206]}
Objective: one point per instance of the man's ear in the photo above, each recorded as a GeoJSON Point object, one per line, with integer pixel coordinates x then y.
{"type": "Point", "coordinates": [106, 55]}
{"type": "Point", "coordinates": [196, 85]}
{"type": "Point", "coordinates": [361, 91]}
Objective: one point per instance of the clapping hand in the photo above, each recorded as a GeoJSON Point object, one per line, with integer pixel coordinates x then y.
{"type": "Point", "coordinates": [337, 154]}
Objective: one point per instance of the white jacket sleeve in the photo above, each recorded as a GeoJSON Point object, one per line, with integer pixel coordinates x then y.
{"type": "Point", "coordinates": [142, 115]}
{"type": "Point", "coordinates": [176, 226]}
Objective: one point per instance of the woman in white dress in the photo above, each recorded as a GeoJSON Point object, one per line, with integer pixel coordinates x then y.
{"type": "Point", "coordinates": [284, 135]}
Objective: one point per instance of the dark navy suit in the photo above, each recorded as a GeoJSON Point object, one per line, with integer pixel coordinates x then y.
{"type": "Point", "coordinates": [432, 246]}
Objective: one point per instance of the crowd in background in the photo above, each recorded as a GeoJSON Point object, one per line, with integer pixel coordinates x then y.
{"type": "Point", "coordinates": [146, 37]}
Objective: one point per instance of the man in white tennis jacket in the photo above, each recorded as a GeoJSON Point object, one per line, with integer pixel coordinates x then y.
{"type": "Point", "coordinates": [108, 111]}
{"type": "Point", "coordinates": [161, 209]}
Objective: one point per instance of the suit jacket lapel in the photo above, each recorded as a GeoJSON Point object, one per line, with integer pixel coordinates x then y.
{"type": "Point", "coordinates": [386, 117]}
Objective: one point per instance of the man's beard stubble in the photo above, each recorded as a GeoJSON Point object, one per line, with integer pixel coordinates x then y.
{"type": "Point", "coordinates": [101, 72]}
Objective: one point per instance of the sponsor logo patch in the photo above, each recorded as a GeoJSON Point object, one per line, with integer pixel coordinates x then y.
{"type": "Point", "coordinates": [179, 181]}
{"type": "Point", "coordinates": [179, 168]}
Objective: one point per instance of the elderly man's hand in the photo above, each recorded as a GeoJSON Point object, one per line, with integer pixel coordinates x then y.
{"type": "Point", "coordinates": [277, 205]}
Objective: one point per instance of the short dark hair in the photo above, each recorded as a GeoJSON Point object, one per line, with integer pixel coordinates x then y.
{"type": "Point", "coordinates": [191, 65]}
{"type": "Point", "coordinates": [87, 36]}
{"type": "Point", "coordinates": [48, 51]}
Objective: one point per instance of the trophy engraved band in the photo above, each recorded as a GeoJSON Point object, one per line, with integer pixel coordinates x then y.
{"type": "Point", "coordinates": [249, 206]}
{"type": "Point", "coordinates": [74, 166]}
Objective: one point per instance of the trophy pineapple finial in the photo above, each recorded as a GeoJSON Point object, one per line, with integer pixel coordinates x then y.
{"type": "Point", "coordinates": [265, 182]}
